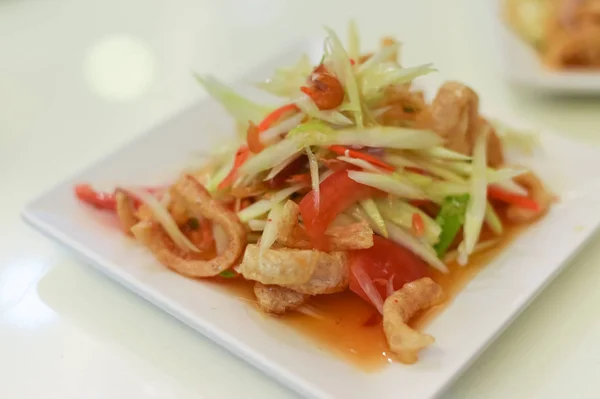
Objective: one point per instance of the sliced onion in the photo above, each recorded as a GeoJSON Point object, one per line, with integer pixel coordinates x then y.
{"type": "Point", "coordinates": [307, 105]}
{"type": "Point", "coordinates": [390, 286]}
{"type": "Point", "coordinates": [271, 156]}
{"type": "Point", "coordinates": [353, 41]}
{"type": "Point", "coordinates": [277, 169]}
{"type": "Point", "coordinates": [382, 55]}
{"type": "Point", "coordinates": [356, 212]}
{"type": "Point", "coordinates": [162, 216]}
{"type": "Point", "coordinates": [400, 213]}
{"type": "Point", "coordinates": [512, 187]}
{"type": "Point", "coordinates": [367, 286]}
{"type": "Point", "coordinates": [493, 220]}
{"type": "Point", "coordinates": [381, 136]}
{"type": "Point", "coordinates": [221, 238]}
{"type": "Point", "coordinates": [399, 161]}
{"type": "Point", "coordinates": [263, 206]}
{"type": "Point", "coordinates": [451, 256]}
{"type": "Point", "coordinates": [436, 169]}
{"type": "Point", "coordinates": [274, 132]}
{"type": "Point", "coordinates": [477, 200]}
{"type": "Point", "coordinates": [343, 69]}
{"type": "Point", "coordinates": [389, 183]}
{"type": "Point", "coordinates": [257, 224]}
{"type": "Point", "coordinates": [444, 153]}
{"type": "Point", "coordinates": [361, 163]}
{"type": "Point", "coordinates": [502, 177]}
{"type": "Point", "coordinates": [271, 228]}
{"type": "Point", "coordinates": [220, 174]}
{"type": "Point", "coordinates": [370, 207]}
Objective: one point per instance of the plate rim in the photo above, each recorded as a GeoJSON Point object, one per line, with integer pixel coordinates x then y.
{"type": "Point", "coordinates": [240, 349]}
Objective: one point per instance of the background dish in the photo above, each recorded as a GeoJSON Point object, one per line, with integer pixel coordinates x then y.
{"type": "Point", "coordinates": [520, 63]}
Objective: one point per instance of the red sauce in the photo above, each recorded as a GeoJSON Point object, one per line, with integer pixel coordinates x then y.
{"type": "Point", "coordinates": [351, 329]}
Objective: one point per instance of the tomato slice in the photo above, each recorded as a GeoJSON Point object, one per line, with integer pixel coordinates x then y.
{"type": "Point", "coordinates": [338, 192]}
{"type": "Point", "coordinates": [385, 260]}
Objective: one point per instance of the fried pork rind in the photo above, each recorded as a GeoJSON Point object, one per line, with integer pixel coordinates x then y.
{"type": "Point", "coordinates": [126, 210]}
{"type": "Point", "coordinates": [278, 266]}
{"type": "Point", "coordinates": [342, 238]}
{"type": "Point", "coordinates": [538, 192]}
{"type": "Point", "coordinates": [189, 192]}
{"type": "Point", "coordinates": [579, 48]}
{"type": "Point", "coordinates": [278, 300]}
{"type": "Point", "coordinates": [330, 275]}
{"type": "Point", "coordinates": [308, 272]}
{"type": "Point", "coordinates": [454, 115]}
{"type": "Point", "coordinates": [404, 106]}
{"type": "Point", "coordinates": [572, 36]}
{"type": "Point", "coordinates": [495, 150]}
{"type": "Point", "coordinates": [399, 308]}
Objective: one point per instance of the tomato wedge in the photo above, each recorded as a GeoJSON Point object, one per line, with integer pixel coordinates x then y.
{"type": "Point", "coordinates": [521, 201]}
{"type": "Point", "coordinates": [338, 192]}
{"type": "Point", "coordinates": [385, 260]}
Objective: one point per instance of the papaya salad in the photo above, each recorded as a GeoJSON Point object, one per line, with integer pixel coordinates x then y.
{"type": "Point", "coordinates": [354, 183]}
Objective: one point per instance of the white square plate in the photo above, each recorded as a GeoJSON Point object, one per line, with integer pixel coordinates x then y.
{"type": "Point", "coordinates": [521, 65]}
{"type": "Point", "coordinates": [481, 311]}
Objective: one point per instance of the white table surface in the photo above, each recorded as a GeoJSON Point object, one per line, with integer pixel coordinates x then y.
{"type": "Point", "coordinates": [80, 77]}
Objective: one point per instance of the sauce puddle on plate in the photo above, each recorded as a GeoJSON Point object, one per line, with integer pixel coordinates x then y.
{"type": "Point", "coordinates": [351, 329]}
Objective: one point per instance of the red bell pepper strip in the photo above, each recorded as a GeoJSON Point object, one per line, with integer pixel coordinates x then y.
{"type": "Point", "coordinates": [341, 150]}
{"type": "Point", "coordinates": [418, 225]}
{"type": "Point", "coordinates": [339, 192]}
{"type": "Point", "coordinates": [104, 200]}
{"type": "Point", "coordinates": [100, 200]}
{"type": "Point", "coordinates": [240, 157]}
{"type": "Point", "coordinates": [307, 91]}
{"type": "Point", "coordinates": [253, 135]}
{"type": "Point", "coordinates": [521, 201]}
{"type": "Point", "coordinates": [275, 116]}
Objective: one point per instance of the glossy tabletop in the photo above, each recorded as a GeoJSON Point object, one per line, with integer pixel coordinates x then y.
{"type": "Point", "coordinates": [78, 78]}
